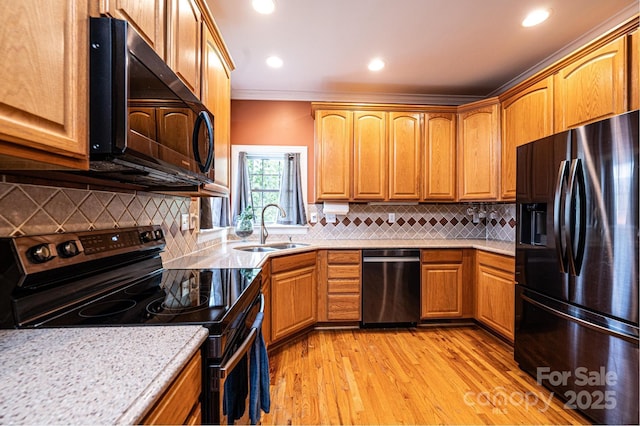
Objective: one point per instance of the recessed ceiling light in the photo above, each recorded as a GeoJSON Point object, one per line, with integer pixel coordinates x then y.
{"type": "Point", "coordinates": [536, 17]}
{"type": "Point", "coordinates": [376, 64]}
{"type": "Point", "coordinates": [264, 6]}
{"type": "Point", "coordinates": [274, 62]}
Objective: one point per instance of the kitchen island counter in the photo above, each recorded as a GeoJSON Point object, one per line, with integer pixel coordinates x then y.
{"type": "Point", "coordinates": [226, 255]}
{"type": "Point", "coordinates": [102, 375]}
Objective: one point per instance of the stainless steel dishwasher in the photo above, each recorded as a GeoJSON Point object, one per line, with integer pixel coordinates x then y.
{"type": "Point", "coordinates": [390, 287]}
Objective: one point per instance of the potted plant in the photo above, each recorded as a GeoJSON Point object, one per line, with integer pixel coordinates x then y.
{"type": "Point", "coordinates": [244, 223]}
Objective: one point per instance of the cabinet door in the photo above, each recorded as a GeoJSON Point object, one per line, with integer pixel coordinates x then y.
{"type": "Point", "coordinates": [404, 156]}
{"type": "Point", "coordinates": [183, 46]}
{"type": "Point", "coordinates": [370, 156]}
{"type": "Point", "coordinates": [478, 145]}
{"type": "Point", "coordinates": [147, 17]}
{"type": "Point", "coordinates": [334, 135]}
{"type": "Point", "coordinates": [634, 70]}
{"type": "Point", "coordinates": [440, 157]}
{"type": "Point", "coordinates": [495, 287]}
{"type": "Point", "coordinates": [43, 84]}
{"type": "Point", "coordinates": [441, 290]}
{"type": "Point", "coordinates": [526, 116]}
{"type": "Point", "coordinates": [293, 295]}
{"type": "Point", "coordinates": [216, 95]}
{"type": "Point", "coordinates": [592, 87]}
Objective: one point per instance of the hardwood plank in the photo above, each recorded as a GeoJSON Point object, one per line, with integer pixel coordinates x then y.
{"type": "Point", "coordinates": [453, 375]}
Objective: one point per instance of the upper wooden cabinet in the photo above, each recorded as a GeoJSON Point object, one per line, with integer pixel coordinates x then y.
{"type": "Point", "coordinates": [369, 155]}
{"type": "Point", "coordinates": [439, 171]}
{"type": "Point", "coordinates": [634, 70]}
{"type": "Point", "coordinates": [146, 17]}
{"type": "Point", "coordinates": [184, 22]}
{"type": "Point", "coordinates": [216, 95]}
{"type": "Point", "coordinates": [592, 87]}
{"type": "Point", "coordinates": [478, 150]}
{"type": "Point", "coordinates": [334, 136]}
{"type": "Point", "coordinates": [405, 140]}
{"type": "Point", "coordinates": [526, 116]}
{"type": "Point", "coordinates": [44, 84]}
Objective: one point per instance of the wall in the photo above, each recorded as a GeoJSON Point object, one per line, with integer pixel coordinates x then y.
{"type": "Point", "coordinates": [36, 209]}
{"type": "Point", "coordinates": [274, 123]}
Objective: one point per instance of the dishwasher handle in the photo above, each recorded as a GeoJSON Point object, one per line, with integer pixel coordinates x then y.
{"type": "Point", "coordinates": [389, 259]}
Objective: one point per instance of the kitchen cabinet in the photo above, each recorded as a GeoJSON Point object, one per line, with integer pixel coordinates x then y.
{"type": "Point", "coordinates": [216, 95]}
{"type": "Point", "coordinates": [527, 115]}
{"type": "Point", "coordinates": [439, 181]}
{"type": "Point", "coordinates": [592, 87]}
{"type": "Point", "coordinates": [339, 273]}
{"type": "Point", "coordinates": [495, 292]}
{"type": "Point", "coordinates": [369, 155]}
{"type": "Point", "coordinates": [634, 70]}
{"type": "Point", "coordinates": [293, 294]}
{"type": "Point", "coordinates": [146, 17]}
{"type": "Point", "coordinates": [334, 136]}
{"type": "Point", "coordinates": [446, 290]}
{"type": "Point", "coordinates": [478, 150]}
{"type": "Point", "coordinates": [266, 294]}
{"type": "Point", "coordinates": [184, 21]}
{"type": "Point", "coordinates": [44, 84]}
{"type": "Point", "coordinates": [180, 403]}
{"type": "Point", "coordinates": [405, 140]}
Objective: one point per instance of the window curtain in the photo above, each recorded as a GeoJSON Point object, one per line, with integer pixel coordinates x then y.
{"type": "Point", "coordinates": [291, 199]}
{"type": "Point", "coordinates": [214, 212]}
{"type": "Point", "coordinates": [242, 194]}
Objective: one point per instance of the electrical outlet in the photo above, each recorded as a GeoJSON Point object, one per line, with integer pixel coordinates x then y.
{"type": "Point", "coordinates": [392, 217]}
{"type": "Point", "coordinates": [184, 222]}
{"type": "Point", "coordinates": [313, 218]}
{"type": "Point", "coordinates": [331, 218]}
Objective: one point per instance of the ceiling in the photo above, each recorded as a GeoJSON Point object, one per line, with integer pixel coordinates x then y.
{"type": "Point", "coordinates": [436, 51]}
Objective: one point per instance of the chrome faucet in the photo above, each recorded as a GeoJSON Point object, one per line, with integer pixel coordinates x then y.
{"type": "Point", "coordinates": [263, 230]}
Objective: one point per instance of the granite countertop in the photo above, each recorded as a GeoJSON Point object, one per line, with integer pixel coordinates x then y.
{"type": "Point", "coordinates": [226, 256]}
{"type": "Point", "coordinates": [105, 375]}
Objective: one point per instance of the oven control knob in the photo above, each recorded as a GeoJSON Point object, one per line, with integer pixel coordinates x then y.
{"type": "Point", "coordinates": [146, 236]}
{"type": "Point", "coordinates": [158, 235]}
{"type": "Point", "coordinates": [41, 253]}
{"type": "Point", "coordinates": [69, 249]}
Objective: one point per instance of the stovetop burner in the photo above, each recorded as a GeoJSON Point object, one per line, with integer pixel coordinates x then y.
{"type": "Point", "coordinates": [107, 308]}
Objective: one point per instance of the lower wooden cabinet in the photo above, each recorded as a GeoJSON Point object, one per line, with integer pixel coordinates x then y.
{"type": "Point", "coordinates": [339, 274]}
{"type": "Point", "coordinates": [293, 294]}
{"type": "Point", "coordinates": [180, 404]}
{"type": "Point", "coordinates": [446, 284]}
{"type": "Point", "coordinates": [495, 297]}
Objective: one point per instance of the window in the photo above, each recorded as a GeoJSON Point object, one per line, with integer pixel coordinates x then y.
{"type": "Point", "coordinates": [265, 165]}
{"type": "Point", "coordinates": [265, 176]}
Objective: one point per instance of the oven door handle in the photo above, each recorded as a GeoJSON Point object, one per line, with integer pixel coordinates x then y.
{"type": "Point", "coordinates": [239, 354]}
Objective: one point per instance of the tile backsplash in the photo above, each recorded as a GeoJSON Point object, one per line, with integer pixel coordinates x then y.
{"type": "Point", "coordinates": [422, 221]}
{"type": "Point", "coordinates": [35, 209]}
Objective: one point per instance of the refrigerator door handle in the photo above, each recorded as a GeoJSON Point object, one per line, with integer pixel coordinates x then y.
{"type": "Point", "coordinates": [558, 215]}
{"type": "Point", "coordinates": [576, 217]}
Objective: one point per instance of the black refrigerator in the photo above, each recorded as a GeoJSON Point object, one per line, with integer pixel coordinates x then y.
{"type": "Point", "coordinates": [577, 267]}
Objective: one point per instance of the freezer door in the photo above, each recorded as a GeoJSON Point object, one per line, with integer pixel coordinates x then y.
{"type": "Point", "coordinates": [602, 217]}
{"type": "Point", "coordinates": [589, 361]}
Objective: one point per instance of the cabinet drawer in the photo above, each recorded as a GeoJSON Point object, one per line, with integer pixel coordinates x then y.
{"type": "Point", "coordinates": [343, 271]}
{"type": "Point", "coordinates": [293, 261]}
{"type": "Point", "coordinates": [343, 256]}
{"type": "Point", "coordinates": [176, 405]}
{"type": "Point", "coordinates": [441, 256]}
{"type": "Point", "coordinates": [344, 286]}
{"type": "Point", "coordinates": [504, 263]}
{"type": "Point", "coordinates": [344, 307]}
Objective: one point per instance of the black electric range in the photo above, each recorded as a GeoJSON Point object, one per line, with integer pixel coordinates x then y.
{"type": "Point", "coordinates": [116, 278]}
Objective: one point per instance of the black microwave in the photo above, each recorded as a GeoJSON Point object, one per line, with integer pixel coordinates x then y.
{"type": "Point", "coordinates": [145, 126]}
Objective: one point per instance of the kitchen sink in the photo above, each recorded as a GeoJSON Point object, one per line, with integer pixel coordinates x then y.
{"type": "Point", "coordinates": [271, 247]}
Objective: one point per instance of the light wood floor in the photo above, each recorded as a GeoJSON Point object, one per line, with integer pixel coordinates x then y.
{"type": "Point", "coordinates": [453, 375]}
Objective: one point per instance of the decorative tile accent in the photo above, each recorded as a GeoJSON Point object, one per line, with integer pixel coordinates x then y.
{"type": "Point", "coordinates": [32, 210]}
